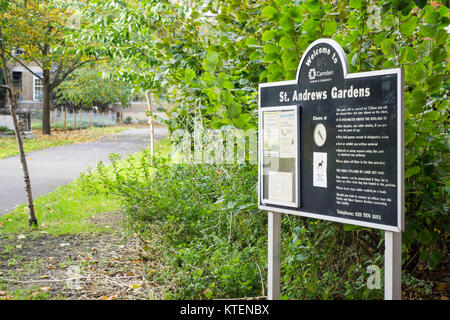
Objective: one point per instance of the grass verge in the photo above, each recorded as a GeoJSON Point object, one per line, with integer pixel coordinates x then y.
{"type": "Point", "coordinates": [80, 231]}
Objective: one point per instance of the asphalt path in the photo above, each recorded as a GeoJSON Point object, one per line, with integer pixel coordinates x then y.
{"type": "Point", "coordinates": [54, 167]}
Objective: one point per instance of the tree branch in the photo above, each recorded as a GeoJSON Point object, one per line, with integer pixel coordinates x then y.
{"type": "Point", "coordinates": [56, 82]}
{"type": "Point", "coordinates": [24, 65]}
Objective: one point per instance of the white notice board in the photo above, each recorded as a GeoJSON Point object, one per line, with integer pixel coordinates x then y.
{"type": "Point", "coordinates": [278, 167]}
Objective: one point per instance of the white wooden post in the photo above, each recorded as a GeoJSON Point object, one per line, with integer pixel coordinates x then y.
{"type": "Point", "coordinates": [152, 130]}
{"type": "Point", "coordinates": [274, 256]}
{"type": "Point", "coordinates": [393, 265]}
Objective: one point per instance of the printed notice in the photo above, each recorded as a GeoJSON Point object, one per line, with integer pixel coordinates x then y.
{"type": "Point", "coordinates": [280, 186]}
{"type": "Point", "coordinates": [320, 169]}
{"type": "Point", "coordinates": [271, 134]}
{"type": "Point", "coordinates": [287, 135]}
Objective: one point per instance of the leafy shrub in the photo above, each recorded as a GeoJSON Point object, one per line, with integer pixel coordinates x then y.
{"type": "Point", "coordinates": [213, 232]}
{"type": "Point", "coordinates": [210, 233]}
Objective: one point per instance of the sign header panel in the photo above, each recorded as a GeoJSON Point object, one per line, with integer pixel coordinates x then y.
{"type": "Point", "coordinates": [350, 149]}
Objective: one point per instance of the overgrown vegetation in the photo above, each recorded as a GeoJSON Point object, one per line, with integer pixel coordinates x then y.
{"type": "Point", "coordinates": [202, 222]}
{"type": "Point", "coordinates": [207, 60]}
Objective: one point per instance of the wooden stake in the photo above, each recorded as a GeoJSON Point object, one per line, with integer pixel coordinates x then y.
{"type": "Point", "coordinates": [65, 119]}
{"type": "Point", "coordinates": [152, 130]}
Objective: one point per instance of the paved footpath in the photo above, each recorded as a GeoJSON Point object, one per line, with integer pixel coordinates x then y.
{"type": "Point", "coordinates": [54, 167]}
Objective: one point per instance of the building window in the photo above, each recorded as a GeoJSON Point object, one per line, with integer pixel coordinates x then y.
{"type": "Point", "coordinates": [38, 89]}
{"type": "Point", "coordinates": [17, 83]}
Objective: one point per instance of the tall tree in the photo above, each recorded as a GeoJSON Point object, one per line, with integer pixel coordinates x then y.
{"type": "Point", "coordinates": [39, 32]}
{"type": "Point", "coordinates": [89, 86]}
{"type": "Point", "coordinates": [11, 98]}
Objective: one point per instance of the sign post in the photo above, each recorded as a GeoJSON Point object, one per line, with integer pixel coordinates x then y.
{"type": "Point", "coordinates": [274, 258]}
{"type": "Point", "coordinates": [331, 147]}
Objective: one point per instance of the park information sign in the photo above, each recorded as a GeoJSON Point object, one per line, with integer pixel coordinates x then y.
{"type": "Point", "coordinates": [331, 142]}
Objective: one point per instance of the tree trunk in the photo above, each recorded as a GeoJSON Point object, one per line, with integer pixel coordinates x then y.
{"type": "Point", "coordinates": [46, 128]}
{"type": "Point", "coordinates": [31, 216]}
{"type": "Point", "coordinates": [12, 106]}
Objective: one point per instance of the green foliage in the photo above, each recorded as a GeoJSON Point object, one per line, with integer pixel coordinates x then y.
{"type": "Point", "coordinates": [87, 87]}
{"type": "Point", "coordinates": [213, 234]}
{"type": "Point", "coordinates": [213, 238]}
{"type": "Point", "coordinates": [209, 68]}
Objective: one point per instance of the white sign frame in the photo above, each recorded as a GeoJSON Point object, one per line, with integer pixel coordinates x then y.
{"type": "Point", "coordinates": [393, 235]}
{"type": "Point", "coordinates": [400, 141]}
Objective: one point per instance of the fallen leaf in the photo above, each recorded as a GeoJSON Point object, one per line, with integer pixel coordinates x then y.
{"type": "Point", "coordinates": [2, 224]}
{"type": "Point", "coordinates": [443, 286]}
{"type": "Point", "coordinates": [3, 293]}
{"type": "Point", "coordinates": [103, 298]}
{"type": "Point", "coordinates": [136, 286]}
{"type": "Point", "coordinates": [43, 277]}
{"type": "Point", "coordinates": [51, 267]}
{"type": "Point", "coordinates": [444, 298]}
{"type": "Point", "coordinates": [46, 289]}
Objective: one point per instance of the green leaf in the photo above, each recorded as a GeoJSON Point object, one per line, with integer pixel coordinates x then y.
{"type": "Point", "coordinates": [212, 57]}
{"type": "Point", "coordinates": [416, 73]}
{"type": "Point", "coordinates": [269, 12]}
{"type": "Point", "coordinates": [227, 84]}
{"type": "Point", "coordinates": [431, 15]}
{"type": "Point", "coordinates": [270, 48]}
{"type": "Point", "coordinates": [286, 42]}
{"type": "Point", "coordinates": [431, 115]}
{"type": "Point", "coordinates": [356, 4]}
{"type": "Point", "coordinates": [420, 3]}
{"type": "Point", "coordinates": [435, 258]}
{"type": "Point", "coordinates": [275, 67]}
{"type": "Point", "coordinates": [329, 28]}
{"type": "Point", "coordinates": [251, 41]}
{"type": "Point", "coordinates": [424, 255]}
{"type": "Point", "coordinates": [285, 23]}
{"type": "Point", "coordinates": [388, 47]}
{"type": "Point", "coordinates": [189, 75]}
{"type": "Point", "coordinates": [312, 5]}
{"type": "Point", "coordinates": [268, 35]}
{"type": "Point", "coordinates": [301, 257]}
{"type": "Point", "coordinates": [412, 171]}
{"type": "Point", "coordinates": [424, 236]}
{"type": "Point", "coordinates": [428, 30]}
{"type": "Point", "coordinates": [388, 21]}
{"type": "Point", "coordinates": [409, 54]}
{"type": "Point", "coordinates": [408, 27]}
{"type": "Point", "coordinates": [255, 56]}
{"type": "Point", "coordinates": [409, 137]}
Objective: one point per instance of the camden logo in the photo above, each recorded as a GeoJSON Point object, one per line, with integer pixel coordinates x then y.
{"type": "Point", "coordinates": [312, 74]}
{"type": "Point", "coordinates": [324, 76]}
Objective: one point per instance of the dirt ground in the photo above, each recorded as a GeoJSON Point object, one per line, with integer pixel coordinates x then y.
{"type": "Point", "coordinates": [107, 266]}
{"type": "Point", "coordinates": [112, 266]}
